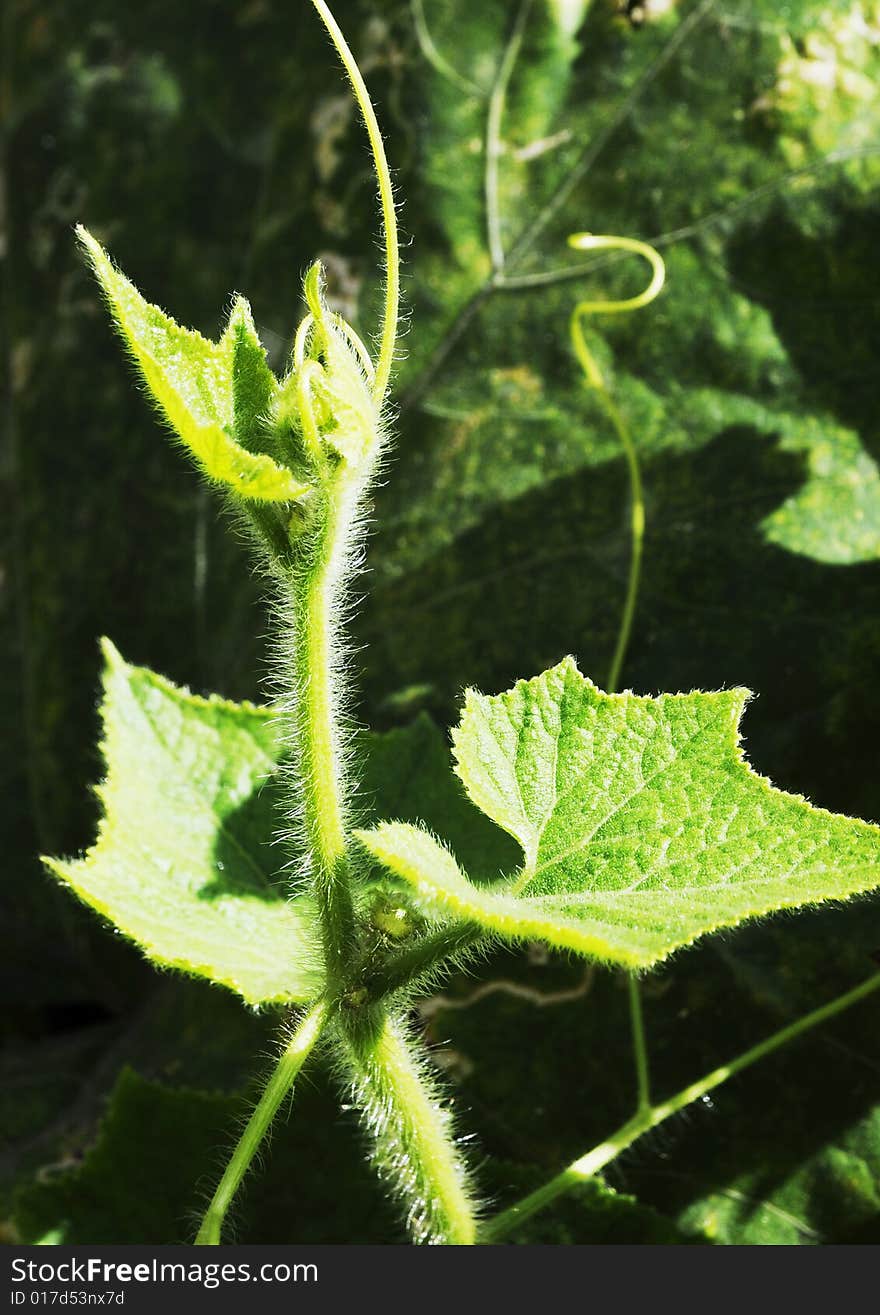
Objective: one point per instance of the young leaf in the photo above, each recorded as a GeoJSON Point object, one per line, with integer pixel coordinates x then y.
{"type": "Point", "coordinates": [642, 825]}
{"type": "Point", "coordinates": [181, 864]}
{"type": "Point", "coordinates": [253, 384]}
{"type": "Point", "coordinates": [191, 379]}
{"type": "Point", "coordinates": [344, 382]}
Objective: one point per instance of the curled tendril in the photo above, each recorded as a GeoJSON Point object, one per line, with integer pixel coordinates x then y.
{"type": "Point", "coordinates": [595, 242]}
{"type": "Point", "coordinates": [594, 379]}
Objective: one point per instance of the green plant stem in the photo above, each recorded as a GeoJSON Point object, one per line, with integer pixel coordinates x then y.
{"type": "Point", "coordinates": [589, 1164]}
{"type": "Point", "coordinates": [637, 532]}
{"type": "Point", "coordinates": [404, 968]}
{"type": "Point", "coordinates": [295, 1053]}
{"type": "Point", "coordinates": [640, 1049]}
{"type": "Point", "coordinates": [595, 380]}
{"type": "Point", "coordinates": [316, 577]}
{"type": "Point", "coordinates": [386, 199]}
{"type": "Point", "coordinates": [415, 1151]}
{"type": "Point", "coordinates": [320, 765]}
{"type": "Point", "coordinates": [316, 582]}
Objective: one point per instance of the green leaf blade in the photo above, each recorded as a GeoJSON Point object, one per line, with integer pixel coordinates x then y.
{"type": "Point", "coordinates": [642, 825]}
{"type": "Point", "coordinates": [431, 871]}
{"type": "Point", "coordinates": [180, 865]}
{"type": "Point", "coordinates": [254, 386]}
{"type": "Point", "coordinates": [345, 386]}
{"type": "Point", "coordinates": [191, 381]}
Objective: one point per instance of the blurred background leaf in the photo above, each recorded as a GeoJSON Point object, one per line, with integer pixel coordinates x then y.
{"type": "Point", "coordinates": [217, 149]}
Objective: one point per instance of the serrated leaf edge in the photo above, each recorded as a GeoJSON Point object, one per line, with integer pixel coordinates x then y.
{"type": "Point", "coordinates": [284, 487]}
{"type": "Point", "coordinates": [62, 869]}
{"type": "Point", "coordinates": [508, 907]}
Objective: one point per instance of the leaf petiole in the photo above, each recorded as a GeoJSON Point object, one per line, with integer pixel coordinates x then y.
{"type": "Point", "coordinates": [294, 1055]}
{"type": "Point", "coordinates": [586, 1166]}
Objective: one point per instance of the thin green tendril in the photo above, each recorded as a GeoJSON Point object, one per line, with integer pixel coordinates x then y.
{"type": "Point", "coordinates": [595, 380]}
{"type": "Point", "coordinates": [386, 199]}
{"type": "Point", "coordinates": [594, 242]}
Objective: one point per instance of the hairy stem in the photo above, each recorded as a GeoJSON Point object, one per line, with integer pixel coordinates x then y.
{"type": "Point", "coordinates": [386, 199]}
{"type": "Point", "coordinates": [315, 579]}
{"type": "Point", "coordinates": [295, 1053]}
{"type": "Point", "coordinates": [314, 585]}
{"type": "Point", "coordinates": [652, 1115]}
{"type": "Point", "coordinates": [424, 956]}
{"type": "Point", "coordinates": [415, 1151]}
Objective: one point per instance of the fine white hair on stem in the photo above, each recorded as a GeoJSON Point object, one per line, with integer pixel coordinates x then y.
{"type": "Point", "coordinates": [415, 1150]}
{"type": "Point", "coordinates": [386, 198]}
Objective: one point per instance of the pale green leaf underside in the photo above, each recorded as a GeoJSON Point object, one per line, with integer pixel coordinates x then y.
{"type": "Point", "coordinates": [191, 380]}
{"type": "Point", "coordinates": [642, 825]}
{"type": "Point", "coordinates": [181, 863]}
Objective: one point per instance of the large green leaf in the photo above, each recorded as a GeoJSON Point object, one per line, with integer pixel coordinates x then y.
{"type": "Point", "coordinates": [642, 825]}
{"type": "Point", "coordinates": [182, 864]}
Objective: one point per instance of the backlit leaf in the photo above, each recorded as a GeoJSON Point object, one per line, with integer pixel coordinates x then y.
{"type": "Point", "coordinates": [182, 864]}
{"type": "Point", "coordinates": [642, 825]}
{"type": "Point", "coordinates": [191, 379]}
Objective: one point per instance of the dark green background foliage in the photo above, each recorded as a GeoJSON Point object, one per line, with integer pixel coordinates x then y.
{"type": "Point", "coordinates": [215, 147]}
